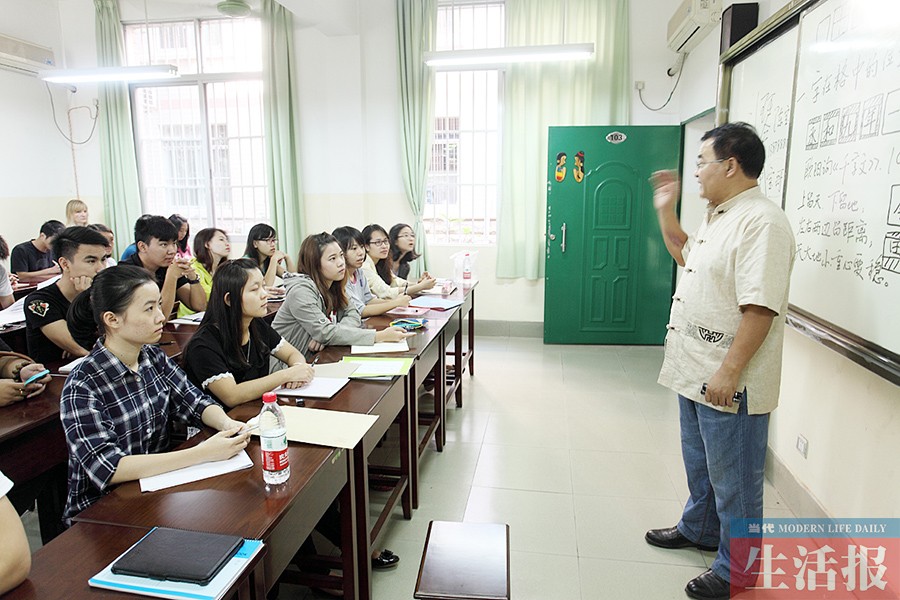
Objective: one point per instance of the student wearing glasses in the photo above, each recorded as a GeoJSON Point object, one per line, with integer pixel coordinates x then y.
{"type": "Point", "coordinates": [353, 245]}
{"type": "Point", "coordinates": [262, 247]}
{"type": "Point", "coordinates": [116, 404]}
{"type": "Point", "coordinates": [377, 267]}
{"type": "Point", "coordinates": [403, 249]}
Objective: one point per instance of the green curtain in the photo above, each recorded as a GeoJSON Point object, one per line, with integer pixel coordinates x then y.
{"type": "Point", "coordinates": [118, 160]}
{"type": "Point", "coordinates": [416, 26]}
{"type": "Point", "coordinates": [539, 95]}
{"type": "Point", "coordinates": [282, 127]}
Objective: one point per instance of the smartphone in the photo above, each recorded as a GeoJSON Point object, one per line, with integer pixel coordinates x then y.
{"type": "Point", "coordinates": [36, 376]}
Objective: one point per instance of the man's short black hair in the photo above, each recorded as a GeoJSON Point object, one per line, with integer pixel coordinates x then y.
{"type": "Point", "coordinates": [67, 242]}
{"type": "Point", "coordinates": [51, 228]}
{"type": "Point", "coordinates": [739, 140]}
{"type": "Point", "coordinates": [154, 226]}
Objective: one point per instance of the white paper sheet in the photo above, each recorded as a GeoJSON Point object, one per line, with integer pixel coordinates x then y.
{"type": "Point", "coordinates": [335, 370]}
{"type": "Point", "coordinates": [400, 346]}
{"type": "Point", "coordinates": [197, 472]}
{"type": "Point", "coordinates": [319, 387]}
{"type": "Point", "coordinates": [332, 428]}
{"type": "Point", "coordinates": [375, 368]}
{"type": "Point", "coordinates": [193, 319]}
{"type": "Point", "coordinates": [435, 303]}
{"type": "Point", "coordinates": [14, 313]}
{"type": "Point", "coordinates": [67, 368]}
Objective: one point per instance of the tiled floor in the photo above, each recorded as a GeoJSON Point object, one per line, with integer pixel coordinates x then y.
{"type": "Point", "coordinates": [576, 447]}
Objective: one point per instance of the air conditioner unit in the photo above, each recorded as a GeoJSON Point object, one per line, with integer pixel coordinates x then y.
{"type": "Point", "coordinates": [24, 57]}
{"type": "Point", "coordinates": [692, 21]}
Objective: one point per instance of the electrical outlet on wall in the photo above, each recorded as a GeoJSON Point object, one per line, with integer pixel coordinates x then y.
{"type": "Point", "coordinates": [802, 445]}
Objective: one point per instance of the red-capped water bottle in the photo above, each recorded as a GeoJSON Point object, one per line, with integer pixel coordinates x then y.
{"type": "Point", "coordinates": [273, 441]}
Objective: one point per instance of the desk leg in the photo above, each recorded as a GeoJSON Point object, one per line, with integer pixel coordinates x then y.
{"type": "Point", "coordinates": [458, 363]}
{"type": "Point", "coordinates": [412, 435]}
{"type": "Point", "coordinates": [360, 479]}
{"type": "Point", "coordinates": [472, 337]}
{"type": "Point", "coordinates": [409, 456]}
{"type": "Point", "coordinates": [440, 395]}
{"type": "Point", "coordinates": [349, 532]}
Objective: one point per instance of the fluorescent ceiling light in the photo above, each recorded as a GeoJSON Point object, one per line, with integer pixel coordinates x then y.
{"type": "Point", "coordinates": [489, 57]}
{"type": "Point", "coordinates": [110, 74]}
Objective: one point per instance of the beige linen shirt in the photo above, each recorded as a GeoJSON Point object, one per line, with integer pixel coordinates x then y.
{"type": "Point", "coordinates": [377, 284]}
{"type": "Point", "coordinates": [742, 254]}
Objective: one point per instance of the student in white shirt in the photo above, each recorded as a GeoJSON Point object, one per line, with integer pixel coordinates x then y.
{"type": "Point", "coordinates": [377, 267]}
{"type": "Point", "coordinates": [353, 244]}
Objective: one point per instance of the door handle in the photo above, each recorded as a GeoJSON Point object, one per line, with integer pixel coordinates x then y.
{"type": "Point", "coordinates": [562, 246]}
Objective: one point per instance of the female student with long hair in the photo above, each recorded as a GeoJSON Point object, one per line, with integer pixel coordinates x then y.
{"type": "Point", "coordinates": [377, 267]}
{"type": "Point", "coordinates": [117, 403]}
{"type": "Point", "coordinates": [262, 247]}
{"type": "Point", "coordinates": [353, 245]}
{"type": "Point", "coordinates": [403, 249]}
{"type": "Point", "coordinates": [229, 355]}
{"type": "Point", "coordinates": [316, 312]}
{"type": "Point", "coordinates": [182, 241]}
{"type": "Point", "coordinates": [211, 250]}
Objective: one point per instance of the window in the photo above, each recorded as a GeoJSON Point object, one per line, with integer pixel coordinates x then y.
{"type": "Point", "coordinates": [200, 140]}
{"type": "Point", "coordinates": [462, 192]}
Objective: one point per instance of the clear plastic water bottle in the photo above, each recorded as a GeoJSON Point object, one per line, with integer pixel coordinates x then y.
{"type": "Point", "coordinates": [467, 268]}
{"type": "Point", "coordinates": [273, 442]}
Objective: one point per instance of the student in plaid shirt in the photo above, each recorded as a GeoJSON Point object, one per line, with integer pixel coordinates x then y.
{"type": "Point", "coordinates": [116, 405]}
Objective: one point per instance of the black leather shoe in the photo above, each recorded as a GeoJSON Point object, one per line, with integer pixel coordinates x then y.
{"type": "Point", "coordinates": [385, 560]}
{"type": "Point", "coordinates": [708, 586]}
{"type": "Point", "coordinates": [671, 539]}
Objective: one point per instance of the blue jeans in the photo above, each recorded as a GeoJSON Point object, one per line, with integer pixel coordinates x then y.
{"type": "Point", "coordinates": [724, 457]}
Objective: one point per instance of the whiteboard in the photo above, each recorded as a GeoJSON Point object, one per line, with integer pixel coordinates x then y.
{"type": "Point", "coordinates": [761, 88]}
{"type": "Point", "coordinates": [843, 178]}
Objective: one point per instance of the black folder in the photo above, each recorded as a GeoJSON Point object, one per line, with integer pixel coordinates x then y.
{"type": "Point", "coordinates": [178, 555]}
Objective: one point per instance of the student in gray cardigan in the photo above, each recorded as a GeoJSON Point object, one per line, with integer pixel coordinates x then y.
{"type": "Point", "coordinates": [316, 312]}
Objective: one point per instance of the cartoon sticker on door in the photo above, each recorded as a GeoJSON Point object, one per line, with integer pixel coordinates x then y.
{"type": "Point", "coordinates": [561, 166]}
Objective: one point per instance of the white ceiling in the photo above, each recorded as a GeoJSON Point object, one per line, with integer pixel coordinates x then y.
{"type": "Point", "coordinates": [331, 17]}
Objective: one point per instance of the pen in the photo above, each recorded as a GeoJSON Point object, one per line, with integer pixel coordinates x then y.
{"type": "Point", "coordinates": [315, 359]}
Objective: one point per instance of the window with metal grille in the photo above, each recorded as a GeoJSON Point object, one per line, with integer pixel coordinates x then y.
{"type": "Point", "coordinates": [463, 178]}
{"type": "Point", "coordinates": [200, 139]}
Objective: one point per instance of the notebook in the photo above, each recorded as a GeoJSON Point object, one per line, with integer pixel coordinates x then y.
{"type": "Point", "coordinates": [178, 555]}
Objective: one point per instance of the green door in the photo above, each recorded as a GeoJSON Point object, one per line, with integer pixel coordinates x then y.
{"type": "Point", "coordinates": [608, 276]}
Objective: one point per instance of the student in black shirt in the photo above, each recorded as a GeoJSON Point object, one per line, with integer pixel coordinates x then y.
{"type": "Point", "coordinates": [154, 237]}
{"type": "Point", "coordinates": [32, 261]}
{"type": "Point", "coordinates": [229, 355]}
{"type": "Point", "coordinates": [82, 254]}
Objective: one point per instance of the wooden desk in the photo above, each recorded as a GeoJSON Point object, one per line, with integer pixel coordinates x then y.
{"type": "Point", "coordinates": [462, 325]}
{"type": "Point", "coordinates": [239, 504]}
{"type": "Point", "coordinates": [386, 400]}
{"type": "Point", "coordinates": [33, 454]}
{"type": "Point", "coordinates": [61, 569]}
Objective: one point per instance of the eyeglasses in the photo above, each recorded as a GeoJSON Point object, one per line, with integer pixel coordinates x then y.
{"type": "Point", "coordinates": [703, 163]}
{"type": "Point", "coordinates": [382, 242]}
{"type": "Point", "coordinates": [409, 236]}
{"type": "Point", "coordinates": [271, 240]}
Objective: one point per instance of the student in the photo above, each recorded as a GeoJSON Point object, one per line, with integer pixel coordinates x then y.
{"type": "Point", "coordinates": [377, 267]}
{"type": "Point", "coordinates": [316, 312]}
{"type": "Point", "coordinates": [6, 280]}
{"type": "Point", "coordinates": [182, 241]}
{"type": "Point", "coordinates": [16, 368]}
{"type": "Point", "coordinates": [211, 249]}
{"type": "Point", "coordinates": [116, 405]}
{"type": "Point", "coordinates": [403, 249]}
{"type": "Point", "coordinates": [15, 555]}
{"type": "Point", "coordinates": [32, 261]}
{"type": "Point", "coordinates": [132, 247]}
{"type": "Point", "coordinates": [353, 244]}
{"type": "Point", "coordinates": [229, 355]}
{"type": "Point", "coordinates": [110, 237]}
{"type": "Point", "coordinates": [262, 247]}
{"type": "Point", "coordinates": [76, 213]}
{"type": "Point", "coordinates": [82, 254]}
{"type": "Point", "coordinates": [154, 237]}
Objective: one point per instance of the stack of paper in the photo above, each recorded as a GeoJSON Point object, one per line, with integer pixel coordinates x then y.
{"type": "Point", "coordinates": [435, 303]}
{"type": "Point", "coordinates": [14, 313]}
{"type": "Point", "coordinates": [193, 319]}
{"type": "Point", "coordinates": [379, 347]}
{"type": "Point", "coordinates": [319, 387]}
{"type": "Point", "coordinates": [369, 367]}
{"type": "Point", "coordinates": [215, 589]}
{"type": "Point", "coordinates": [332, 428]}
{"type": "Point", "coordinates": [197, 472]}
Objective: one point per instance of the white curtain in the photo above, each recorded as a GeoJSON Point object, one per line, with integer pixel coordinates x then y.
{"type": "Point", "coordinates": [536, 96]}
